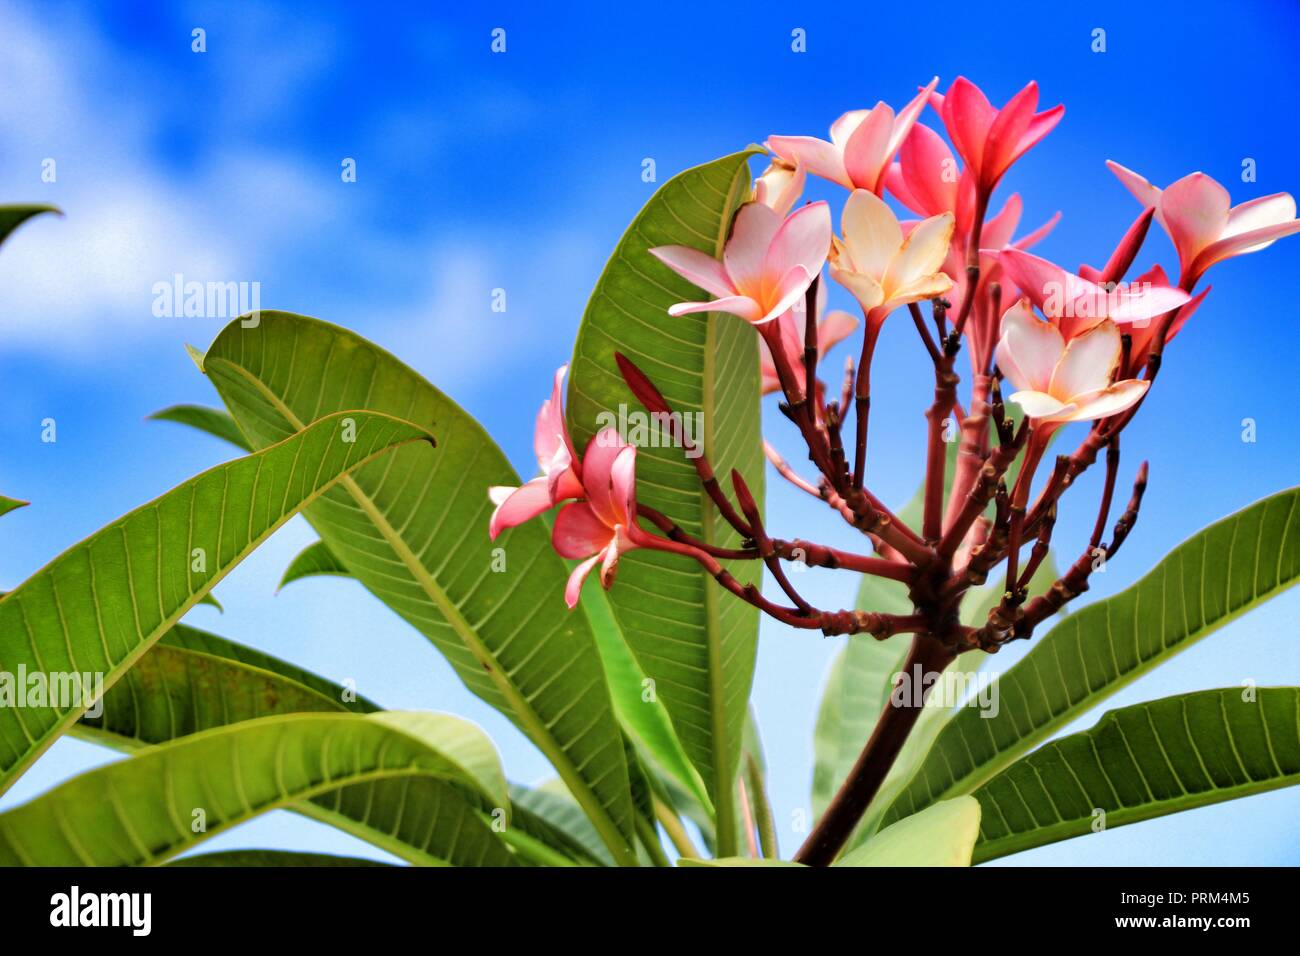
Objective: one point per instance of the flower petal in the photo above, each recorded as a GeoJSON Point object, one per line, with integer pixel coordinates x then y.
{"type": "Point", "coordinates": [1241, 244]}
{"type": "Point", "coordinates": [803, 239]}
{"type": "Point", "coordinates": [579, 531]}
{"type": "Point", "coordinates": [929, 171]}
{"type": "Point", "coordinates": [871, 233]}
{"type": "Point", "coordinates": [815, 155]}
{"type": "Point", "coordinates": [1087, 363]}
{"type": "Point", "coordinates": [741, 305]}
{"type": "Point", "coordinates": [863, 287]}
{"type": "Point", "coordinates": [598, 473]}
{"type": "Point", "coordinates": [522, 504]}
{"type": "Point", "coordinates": [1106, 402]}
{"type": "Point", "coordinates": [834, 329]}
{"type": "Point", "coordinates": [1039, 405]}
{"type": "Point", "coordinates": [780, 187]}
{"type": "Point", "coordinates": [1028, 349]}
{"type": "Point", "coordinates": [743, 256]}
{"type": "Point", "coordinates": [967, 115]}
{"type": "Point", "coordinates": [1010, 124]}
{"type": "Point", "coordinates": [921, 254]}
{"type": "Point", "coordinates": [697, 267]}
{"type": "Point", "coordinates": [865, 156]}
{"type": "Point", "coordinates": [1195, 211]}
{"type": "Point", "coordinates": [573, 589]}
{"type": "Point", "coordinates": [1142, 190]}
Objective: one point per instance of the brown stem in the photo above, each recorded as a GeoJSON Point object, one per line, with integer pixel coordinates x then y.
{"type": "Point", "coordinates": [892, 729]}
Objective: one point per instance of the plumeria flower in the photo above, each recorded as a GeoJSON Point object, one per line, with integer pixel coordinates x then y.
{"type": "Point", "coordinates": [780, 187]}
{"type": "Point", "coordinates": [1075, 305]}
{"type": "Point", "coordinates": [881, 268]}
{"type": "Point", "coordinates": [560, 478]}
{"type": "Point", "coordinates": [1204, 225]}
{"type": "Point", "coordinates": [988, 139]}
{"type": "Point", "coordinates": [1059, 381]}
{"type": "Point", "coordinates": [603, 527]}
{"type": "Point", "coordinates": [863, 144]}
{"type": "Point", "coordinates": [767, 264]}
{"type": "Point", "coordinates": [831, 330]}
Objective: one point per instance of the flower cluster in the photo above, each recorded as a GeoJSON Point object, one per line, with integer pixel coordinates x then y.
{"type": "Point", "coordinates": [1065, 346]}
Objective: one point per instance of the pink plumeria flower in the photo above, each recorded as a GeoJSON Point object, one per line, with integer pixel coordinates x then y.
{"type": "Point", "coordinates": [863, 144]}
{"type": "Point", "coordinates": [831, 330]}
{"type": "Point", "coordinates": [780, 187]}
{"type": "Point", "coordinates": [767, 264]}
{"type": "Point", "coordinates": [881, 268]}
{"type": "Point", "coordinates": [988, 139]}
{"type": "Point", "coordinates": [1075, 305]}
{"type": "Point", "coordinates": [1206, 228]}
{"type": "Point", "coordinates": [1059, 381]}
{"type": "Point", "coordinates": [560, 478]}
{"type": "Point", "coordinates": [603, 527]}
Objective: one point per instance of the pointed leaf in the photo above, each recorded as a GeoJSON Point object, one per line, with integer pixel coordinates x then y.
{"type": "Point", "coordinates": [214, 421]}
{"type": "Point", "coordinates": [414, 532]}
{"type": "Point", "coordinates": [1144, 761]}
{"type": "Point", "coordinates": [13, 216]}
{"type": "Point", "coordinates": [691, 639]}
{"type": "Point", "coordinates": [99, 606]}
{"type": "Point", "coordinates": [315, 559]}
{"type": "Point", "coordinates": [140, 810]}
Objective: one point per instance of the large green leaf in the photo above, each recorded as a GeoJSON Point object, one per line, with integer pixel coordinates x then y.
{"type": "Point", "coordinates": [151, 806]}
{"type": "Point", "coordinates": [192, 681]}
{"type": "Point", "coordinates": [1144, 761]}
{"type": "Point", "coordinates": [95, 609]}
{"type": "Point", "coordinates": [1207, 581]}
{"type": "Point", "coordinates": [414, 531]}
{"type": "Point", "coordinates": [13, 216]}
{"type": "Point", "coordinates": [940, 835]}
{"type": "Point", "coordinates": [695, 642]}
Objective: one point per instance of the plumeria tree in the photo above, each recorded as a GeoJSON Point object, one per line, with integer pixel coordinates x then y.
{"type": "Point", "coordinates": [636, 688]}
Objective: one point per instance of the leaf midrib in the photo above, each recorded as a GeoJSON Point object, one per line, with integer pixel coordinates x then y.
{"type": "Point", "coordinates": [538, 731]}
{"type": "Point", "coordinates": [724, 802]}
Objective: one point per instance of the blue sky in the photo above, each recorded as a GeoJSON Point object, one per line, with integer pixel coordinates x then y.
{"type": "Point", "coordinates": [519, 171]}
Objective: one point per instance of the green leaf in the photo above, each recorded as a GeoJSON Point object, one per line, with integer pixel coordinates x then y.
{"type": "Point", "coordinates": [214, 421]}
{"type": "Point", "coordinates": [99, 606]}
{"type": "Point", "coordinates": [142, 810]}
{"type": "Point", "coordinates": [695, 642]}
{"type": "Point", "coordinates": [244, 858]}
{"type": "Point", "coordinates": [1144, 761]}
{"type": "Point", "coordinates": [11, 504]}
{"type": "Point", "coordinates": [940, 835]}
{"type": "Point", "coordinates": [13, 216]}
{"type": "Point", "coordinates": [191, 681]}
{"type": "Point", "coordinates": [315, 559]}
{"type": "Point", "coordinates": [414, 532]}
{"type": "Point", "coordinates": [1205, 582]}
